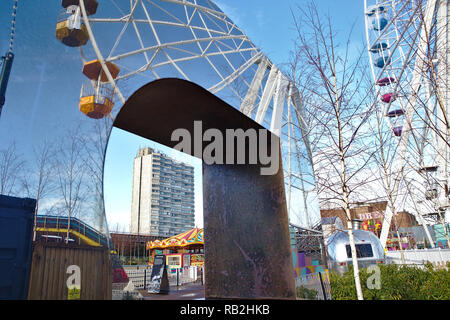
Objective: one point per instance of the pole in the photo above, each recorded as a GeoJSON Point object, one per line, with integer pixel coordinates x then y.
{"type": "Point", "coordinates": [145, 278]}
{"type": "Point", "coordinates": [323, 287]}
{"type": "Point", "coordinates": [7, 61]}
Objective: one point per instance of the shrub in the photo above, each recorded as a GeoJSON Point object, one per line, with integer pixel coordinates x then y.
{"type": "Point", "coordinates": [305, 293]}
{"type": "Point", "coordinates": [397, 283]}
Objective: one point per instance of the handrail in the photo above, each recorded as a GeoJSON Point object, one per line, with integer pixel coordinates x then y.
{"type": "Point", "coordinates": [76, 225]}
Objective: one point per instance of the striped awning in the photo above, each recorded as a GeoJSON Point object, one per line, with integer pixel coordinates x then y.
{"type": "Point", "coordinates": [190, 237]}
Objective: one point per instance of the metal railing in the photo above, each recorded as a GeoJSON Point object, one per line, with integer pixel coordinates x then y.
{"type": "Point", "coordinates": [140, 276]}
{"type": "Point", "coordinates": [77, 225]}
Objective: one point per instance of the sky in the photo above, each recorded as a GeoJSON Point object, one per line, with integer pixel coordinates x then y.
{"type": "Point", "coordinates": [45, 82]}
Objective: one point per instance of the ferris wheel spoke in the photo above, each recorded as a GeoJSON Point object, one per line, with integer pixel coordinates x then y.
{"type": "Point", "coordinates": [176, 43]}
{"type": "Point", "coordinates": [130, 17]}
{"type": "Point", "coordinates": [156, 22]}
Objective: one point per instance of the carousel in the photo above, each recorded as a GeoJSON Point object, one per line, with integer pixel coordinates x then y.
{"type": "Point", "coordinates": [182, 250]}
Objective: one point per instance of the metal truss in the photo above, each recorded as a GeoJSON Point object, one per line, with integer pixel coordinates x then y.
{"type": "Point", "coordinates": [310, 241]}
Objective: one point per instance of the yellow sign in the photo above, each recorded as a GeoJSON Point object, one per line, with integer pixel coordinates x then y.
{"type": "Point", "coordinates": [74, 293]}
{"type": "Point", "coordinates": [197, 259]}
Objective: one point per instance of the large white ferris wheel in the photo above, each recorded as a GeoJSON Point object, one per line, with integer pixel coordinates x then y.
{"type": "Point", "coordinates": [409, 58]}
{"type": "Point", "coordinates": [137, 41]}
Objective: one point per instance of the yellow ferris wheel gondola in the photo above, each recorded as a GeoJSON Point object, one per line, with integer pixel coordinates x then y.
{"type": "Point", "coordinates": [96, 100]}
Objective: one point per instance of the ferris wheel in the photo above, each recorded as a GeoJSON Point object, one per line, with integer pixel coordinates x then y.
{"type": "Point", "coordinates": [409, 58]}
{"type": "Point", "coordinates": [138, 41]}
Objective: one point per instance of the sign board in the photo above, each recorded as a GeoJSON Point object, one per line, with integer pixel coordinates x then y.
{"type": "Point", "coordinates": [186, 260]}
{"type": "Point", "coordinates": [197, 260]}
{"type": "Point", "coordinates": [159, 281]}
{"type": "Point", "coordinates": [174, 261]}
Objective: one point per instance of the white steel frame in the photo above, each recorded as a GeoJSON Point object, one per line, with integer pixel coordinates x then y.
{"type": "Point", "coordinates": [409, 69]}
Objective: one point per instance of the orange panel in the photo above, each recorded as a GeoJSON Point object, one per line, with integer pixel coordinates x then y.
{"type": "Point", "coordinates": [93, 68]}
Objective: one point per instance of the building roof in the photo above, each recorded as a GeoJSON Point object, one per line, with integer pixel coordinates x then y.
{"type": "Point", "coordinates": [187, 238]}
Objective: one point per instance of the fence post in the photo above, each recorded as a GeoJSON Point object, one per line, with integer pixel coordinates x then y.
{"type": "Point", "coordinates": [145, 278]}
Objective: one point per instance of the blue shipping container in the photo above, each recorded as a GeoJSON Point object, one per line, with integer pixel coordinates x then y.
{"type": "Point", "coordinates": [16, 231]}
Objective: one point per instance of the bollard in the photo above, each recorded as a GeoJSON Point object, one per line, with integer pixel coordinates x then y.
{"type": "Point", "coordinates": [203, 276]}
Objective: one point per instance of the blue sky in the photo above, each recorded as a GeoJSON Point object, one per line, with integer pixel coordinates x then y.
{"type": "Point", "coordinates": [45, 83]}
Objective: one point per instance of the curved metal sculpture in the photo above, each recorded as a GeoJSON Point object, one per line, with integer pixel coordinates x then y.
{"type": "Point", "coordinates": [147, 41]}
{"type": "Point", "coordinates": [236, 197]}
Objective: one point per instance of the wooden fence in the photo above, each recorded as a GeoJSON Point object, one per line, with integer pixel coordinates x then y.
{"type": "Point", "coordinates": [53, 264]}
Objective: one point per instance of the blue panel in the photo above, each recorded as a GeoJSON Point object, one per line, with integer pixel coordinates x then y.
{"type": "Point", "coordinates": [382, 61]}
{"type": "Point", "coordinates": [379, 23]}
{"type": "Point", "coordinates": [16, 230]}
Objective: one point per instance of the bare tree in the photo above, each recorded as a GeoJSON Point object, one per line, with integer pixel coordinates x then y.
{"type": "Point", "coordinates": [38, 183]}
{"type": "Point", "coordinates": [338, 90]}
{"type": "Point", "coordinates": [11, 170]}
{"type": "Point", "coordinates": [71, 175]}
{"type": "Point", "coordinates": [385, 158]}
{"type": "Point", "coordinates": [95, 148]}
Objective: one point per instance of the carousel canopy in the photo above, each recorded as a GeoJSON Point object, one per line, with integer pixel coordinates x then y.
{"type": "Point", "coordinates": [187, 238]}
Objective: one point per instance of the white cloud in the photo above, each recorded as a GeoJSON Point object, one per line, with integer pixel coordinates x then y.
{"type": "Point", "coordinates": [233, 13]}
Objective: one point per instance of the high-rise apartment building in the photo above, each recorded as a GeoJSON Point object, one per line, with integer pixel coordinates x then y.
{"type": "Point", "coordinates": [163, 195]}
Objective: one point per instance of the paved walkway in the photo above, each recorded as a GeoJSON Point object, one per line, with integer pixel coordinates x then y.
{"type": "Point", "coordinates": [193, 291]}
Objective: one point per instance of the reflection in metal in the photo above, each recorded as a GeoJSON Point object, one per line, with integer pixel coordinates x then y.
{"type": "Point", "coordinates": [148, 40]}
{"type": "Point", "coordinates": [413, 88]}
{"type": "Point", "coordinates": [196, 41]}
{"type": "Point", "coordinates": [96, 101]}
